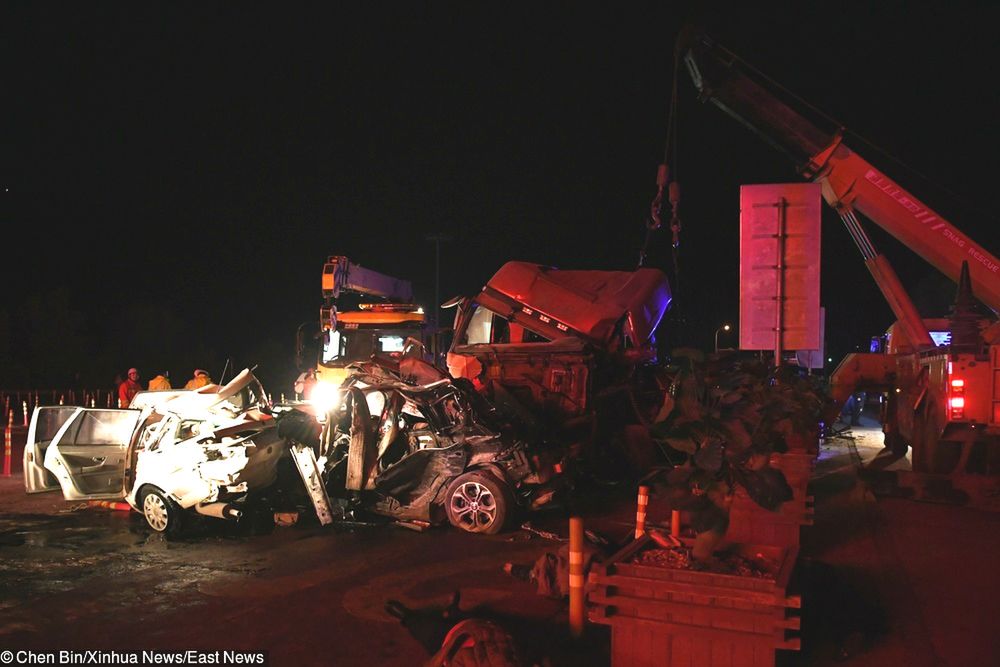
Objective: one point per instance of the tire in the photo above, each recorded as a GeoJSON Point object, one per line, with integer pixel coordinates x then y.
{"type": "Point", "coordinates": [161, 513]}
{"type": "Point", "coordinates": [478, 502]}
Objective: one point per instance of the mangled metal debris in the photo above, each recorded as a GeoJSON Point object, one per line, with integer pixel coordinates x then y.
{"type": "Point", "coordinates": [169, 454]}
{"type": "Point", "coordinates": [305, 462]}
{"type": "Point", "coordinates": [402, 439]}
{"type": "Point", "coordinates": [409, 442]}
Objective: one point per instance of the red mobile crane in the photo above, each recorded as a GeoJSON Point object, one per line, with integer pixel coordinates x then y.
{"type": "Point", "coordinates": [942, 400]}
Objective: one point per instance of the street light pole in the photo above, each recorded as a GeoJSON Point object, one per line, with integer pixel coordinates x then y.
{"type": "Point", "coordinates": [724, 327]}
{"type": "Point", "coordinates": [437, 238]}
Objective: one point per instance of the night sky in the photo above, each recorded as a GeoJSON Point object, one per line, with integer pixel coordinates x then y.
{"type": "Point", "coordinates": [175, 174]}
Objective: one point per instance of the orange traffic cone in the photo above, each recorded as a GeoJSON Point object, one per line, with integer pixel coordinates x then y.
{"type": "Point", "coordinates": [110, 504]}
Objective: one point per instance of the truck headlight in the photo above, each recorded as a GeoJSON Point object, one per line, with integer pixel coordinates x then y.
{"type": "Point", "coordinates": [325, 396]}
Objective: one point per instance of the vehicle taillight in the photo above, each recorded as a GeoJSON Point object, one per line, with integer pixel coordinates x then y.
{"type": "Point", "coordinates": [956, 402]}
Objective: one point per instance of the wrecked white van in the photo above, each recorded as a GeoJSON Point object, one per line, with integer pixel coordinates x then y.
{"type": "Point", "coordinates": [168, 453]}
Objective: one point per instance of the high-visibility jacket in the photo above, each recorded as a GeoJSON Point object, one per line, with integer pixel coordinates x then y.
{"type": "Point", "coordinates": [159, 383]}
{"type": "Point", "coordinates": [126, 390]}
{"type": "Point", "coordinates": [198, 381]}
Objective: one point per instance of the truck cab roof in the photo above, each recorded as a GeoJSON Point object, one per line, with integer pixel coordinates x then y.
{"type": "Point", "coordinates": [587, 304]}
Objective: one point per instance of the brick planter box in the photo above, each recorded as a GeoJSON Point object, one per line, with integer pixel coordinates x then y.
{"type": "Point", "coordinates": [673, 618]}
{"type": "Point", "coordinates": [751, 523]}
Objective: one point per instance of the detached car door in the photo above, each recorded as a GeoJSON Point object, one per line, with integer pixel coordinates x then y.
{"type": "Point", "coordinates": [45, 423]}
{"type": "Point", "coordinates": [88, 454]}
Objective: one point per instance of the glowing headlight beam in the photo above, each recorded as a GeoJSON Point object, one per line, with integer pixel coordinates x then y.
{"type": "Point", "coordinates": [325, 396]}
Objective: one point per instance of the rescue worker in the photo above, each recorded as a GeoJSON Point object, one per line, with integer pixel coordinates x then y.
{"type": "Point", "coordinates": [853, 408]}
{"type": "Point", "coordinates": [129, 388]}
{"type": "Point", "coordinates": [304, 384]}
{"type": "Point", "coordinates": [160, 382]}
{"type": "Point", "coordinates": [200, 379]}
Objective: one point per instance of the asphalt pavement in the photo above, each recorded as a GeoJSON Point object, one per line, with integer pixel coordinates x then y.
{"type": "Point", "coordinates": [913, 583]}
{"type": "Point", "coordinates": [885, 581]}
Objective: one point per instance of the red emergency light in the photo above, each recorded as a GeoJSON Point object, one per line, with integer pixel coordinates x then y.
{"type": "Point", "coordinates": [956, 403]}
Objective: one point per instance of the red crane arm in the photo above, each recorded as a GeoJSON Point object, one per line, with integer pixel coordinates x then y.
{"type": "Point", "coordinates": [849, 181]}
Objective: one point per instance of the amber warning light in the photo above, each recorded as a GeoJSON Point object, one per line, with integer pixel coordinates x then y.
{"type": "Point", "coordinates": [391, 307]}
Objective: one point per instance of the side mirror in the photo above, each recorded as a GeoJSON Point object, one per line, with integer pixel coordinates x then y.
{"type": "Point", "coordinates": [453, 301]}
{"type": "Point", "coordinates": [300, 345]}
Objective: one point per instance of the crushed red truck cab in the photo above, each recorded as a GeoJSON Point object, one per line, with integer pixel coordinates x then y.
{"type": "Point", "coordinates": [554, 339]}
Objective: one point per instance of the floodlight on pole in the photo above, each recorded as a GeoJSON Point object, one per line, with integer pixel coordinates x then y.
{"type": "Point", "coordinates": [724, 327]}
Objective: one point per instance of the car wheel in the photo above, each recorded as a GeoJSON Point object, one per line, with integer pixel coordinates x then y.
{"type": "Point", "coordinates": [478, 502]}
{"type": "Point", "coordinates": [161, 513]}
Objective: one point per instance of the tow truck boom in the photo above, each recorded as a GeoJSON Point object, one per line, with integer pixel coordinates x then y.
{"type": "Point", "coordinates": [848, 182]}
{"type": "Point", "coordinates": [943, 401]}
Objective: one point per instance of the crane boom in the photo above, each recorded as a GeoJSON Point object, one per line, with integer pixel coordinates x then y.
{"type": "Point", "coordinates": [342, 275]}
{"type": "Point", "coordinates": [848, 179]}
{"type": "Point", "coordinates": [849, 182]}
{"type": "Point", "coordinates": [941, 400]}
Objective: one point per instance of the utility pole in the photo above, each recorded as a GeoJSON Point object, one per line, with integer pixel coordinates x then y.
{"type": "Point", "coordinates": [437, 238]}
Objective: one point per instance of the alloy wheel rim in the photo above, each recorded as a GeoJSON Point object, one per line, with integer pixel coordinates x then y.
{"type": "Point", "coordinates": [474, 507]}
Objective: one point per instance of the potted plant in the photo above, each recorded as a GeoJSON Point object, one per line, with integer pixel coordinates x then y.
{"type": "Point", "coordinates": [722, 419]}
